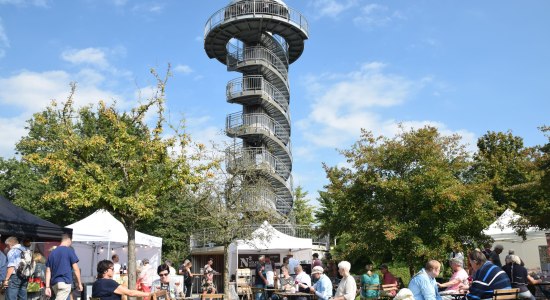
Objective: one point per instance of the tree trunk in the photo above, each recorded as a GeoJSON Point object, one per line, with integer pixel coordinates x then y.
{"type": "Point", "coordinates": [132, 277]}
{"type": "Point", "coordinates": [411, 269]}
{"type": "Point", "coordinates": [226, 277]}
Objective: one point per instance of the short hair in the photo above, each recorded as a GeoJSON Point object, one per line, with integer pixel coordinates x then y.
{"type": "Point", "coordinates": [114, 256]}
{"type": "Point", "coordinates": [383, 266]}
{"type": "Point", "coordinates": [163, 267]}
{"type": "Point", "coordinates": [477, 257]}
{"type": "Point", "coordinates": [168, 262]}
{"type": "Point", "coordinates": [65, 236]}
{"type": "Point", "coordinates": [344, 265]}
{"type": "Point", "coordinates": [316, 255]}
{"type": "Point", "coordinates": [284, 268]}
{"type": "Point", "coordinates": [515, 259]}
{"type": "Point", "coordinates": [499, 246]}
{"type": "Point", "coordinates": [11, 241]}
{"type": "Point", "coordinates": [432, 264]}
{"type": "Point", "coordinates": [145, 261]}
{"type": "Point", "coordinates": [369, 267]}
{"type": "Point", "coordinates": [102, 267]}
{"type": "Point", "coordinates": [457, 261]}
{"type": "Point", "coordinates": [298, 269]}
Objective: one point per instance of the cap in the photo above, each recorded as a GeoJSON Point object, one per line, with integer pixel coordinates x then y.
{"type": "Point", "coordinates": [383, 266]}
{"type": "Point", "coordinates": [317, 270]}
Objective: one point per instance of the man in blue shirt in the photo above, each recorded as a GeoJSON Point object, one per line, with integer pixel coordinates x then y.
{"type": "Point", "coordinates": [323, 287]}
{"type": "Point", "coordinates": [59, 270]}
{"type": "Point", "coordinates": [423, 284]}
{"type": "Point", "coordinates": [15, 284]}
{"type": "Point", "coordinates": [487, 277]}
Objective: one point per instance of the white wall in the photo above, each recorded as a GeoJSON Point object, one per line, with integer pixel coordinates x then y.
{"type": "Point", "coordinates": [527, 250]}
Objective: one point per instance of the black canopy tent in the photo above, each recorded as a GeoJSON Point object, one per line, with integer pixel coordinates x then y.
{"type": "Point", "coordinates": [18, 222]}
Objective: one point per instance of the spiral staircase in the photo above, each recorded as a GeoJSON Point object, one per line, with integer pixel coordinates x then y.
{"type": "Point", "coordinates": [259, 39]}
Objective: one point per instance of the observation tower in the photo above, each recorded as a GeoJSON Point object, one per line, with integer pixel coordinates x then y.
{"type": "Point", "coordinates": [259, 39]}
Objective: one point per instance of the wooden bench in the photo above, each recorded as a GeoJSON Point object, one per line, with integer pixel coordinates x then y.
{"type": "Point", "coordinates": [387, 289]}
{"type": "Point", "coordinates": [211, 296]}
{"type": "Point", "coordinates": [505, 294]}
{"type": "Point", "coordinates": [370, 287]}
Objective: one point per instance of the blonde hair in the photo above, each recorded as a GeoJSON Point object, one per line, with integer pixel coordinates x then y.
{"type": "Point", "coordinates": [37, 257]}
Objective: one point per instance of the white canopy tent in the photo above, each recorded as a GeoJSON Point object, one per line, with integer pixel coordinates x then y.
{"type": "Point", "coordinates": [100, 235]}
{"type": "Point", "coordinates": [268, 240]}
{"type": "Point", "coordinates": [528, 250]}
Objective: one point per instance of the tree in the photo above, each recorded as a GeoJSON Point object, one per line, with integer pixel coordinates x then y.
{"type": "Point", "coordinates": [510, 168]}
{"type": "Point", "coordinates": [102, 158]}
{"type": "Point", "coordinates": [302, 211]}
{"type": "Point", "coordinates": [404, 198]}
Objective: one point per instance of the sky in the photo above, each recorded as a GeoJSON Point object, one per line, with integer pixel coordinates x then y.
{"type": "Point", "coordinates": [466, 67]}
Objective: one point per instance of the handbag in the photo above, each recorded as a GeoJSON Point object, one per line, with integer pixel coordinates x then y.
{"type": "Point", "coordinates": [34, 285]}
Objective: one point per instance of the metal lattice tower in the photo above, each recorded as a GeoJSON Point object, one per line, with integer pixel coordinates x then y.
{"type": "Point", "coordinates": [260, 39]}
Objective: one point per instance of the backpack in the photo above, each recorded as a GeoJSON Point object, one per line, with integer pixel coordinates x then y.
{"type": "Point", "coordinates": [26, 265]}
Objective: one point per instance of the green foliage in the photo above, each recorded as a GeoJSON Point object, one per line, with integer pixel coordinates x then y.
{"type": "Point", "coordinates": [405, 198]}
{"type": "Point", "coordinates": [98, 157]}
{"type": "Point", "coordinates": [302, 211]}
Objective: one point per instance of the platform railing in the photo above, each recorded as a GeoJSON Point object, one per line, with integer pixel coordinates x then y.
{"type": "Point", "coordinates": [238, 121]}
{"type": "Point", "coordinates": [257, 83]}
{"type": "Point", "coordinates": [256, 53]}
{"type": "Point", "coordinates": [251, 7]}
{"type": "Point", "coordinates": [243, 159]}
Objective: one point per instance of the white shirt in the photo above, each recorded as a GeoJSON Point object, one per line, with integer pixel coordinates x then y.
{"type": "Point", "coordinates": [347, 288]}
{"type": "Point", "coordinates": [304, 278]}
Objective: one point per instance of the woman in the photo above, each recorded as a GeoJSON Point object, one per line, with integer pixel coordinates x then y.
{"type": "Point", "coordinates": [459, 279]}
{"type": "Point", "coordinates": [519, 277]}
{"type": "Point", "coordinates": [286, 283]}
{"type": "Point", "coordinates": [347, 287]}
{"type": "Point", "coordinates": [108, 289]}
{"type": "Point", "coordinates": [187, 277]}
{"type": "Point", "coordinates": [369, 283]}
{"type": "Point", "coordinates": [164, 284]}
{"type": "Point", "coordinates": [39, 276]}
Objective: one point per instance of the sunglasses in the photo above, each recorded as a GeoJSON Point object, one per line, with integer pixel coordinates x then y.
{"type": "Point", "coordinates": [163, 274]}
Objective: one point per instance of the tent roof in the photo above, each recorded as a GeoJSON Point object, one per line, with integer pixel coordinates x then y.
{"type": "Point", "coordinates": [267, 237]}
{"type": "Point", "coordinates": [18, 222]}
{"type": "Point", "coordinates": [102, 226]}
{"type": "Point", "coordinates": [502, 225]}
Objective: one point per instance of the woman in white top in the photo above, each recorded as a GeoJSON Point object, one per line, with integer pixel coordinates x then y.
{"type": "Point", "coordinates": [347, 289]}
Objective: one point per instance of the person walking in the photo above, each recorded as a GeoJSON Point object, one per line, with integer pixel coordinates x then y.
{"type": "Point", "coordinates": [15, 283]}
{"type": "Point", "coordinates": [60, 266]}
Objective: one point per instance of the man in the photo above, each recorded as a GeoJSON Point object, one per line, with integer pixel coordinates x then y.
{"type": "Point", "coordinates": [347, 288]}
{"type": "Point", "coordinates": [14, 284]}
{"type": "Point", "coordinates": [316, 261]}
{"type": "Point", "coordinates": [3, 269]}
{"type": "Point", "coordinates": [487, 277]}
{"type": "Point", "coordinates": [388, 278]}
{"type": "Point", "coordinates": [116, 266]}
{"type": "Point", "coordinates": [487, 249]}
{"type": "Point", "coordinates": [494, 257]}
{"type": "Point", "coordinates": [260, 281]}
{"type": "Point", "coordinates": [292, 263]}
{"type": "Point", "coordinates": [302, 279]}
{"type": "Point", "coordinates": [323, 287]}
{"type": "Point", "coordinates": [423, 284]}
{"type": "Point", "coordinates": [169, 264]}
{"type": "Point", "coordinates": [60, 266]}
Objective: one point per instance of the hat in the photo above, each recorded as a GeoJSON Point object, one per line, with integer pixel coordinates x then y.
{"type": "Point", "coordinates": [317, 270]}
{"type": "Point", "coordinates": [383, 266]}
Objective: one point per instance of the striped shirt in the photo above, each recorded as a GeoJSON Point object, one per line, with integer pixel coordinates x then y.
{"type": "Point", "coordinates": [487, 279]}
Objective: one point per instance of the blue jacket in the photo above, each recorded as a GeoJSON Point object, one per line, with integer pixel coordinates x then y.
{"type": "Point", "coordinates": [323, 288]}
{"type": "Point", "coordinates": [3, 266]}
{"type": "Point", "coordinates": [424, 287]}
{"type": "Point", "coordinates": [487, 279]}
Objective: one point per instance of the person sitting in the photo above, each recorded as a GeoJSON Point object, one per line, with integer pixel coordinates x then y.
{"type": "Point", "coordinates": [368, 279]}
{"type": "Point", "coordinates": [487, 277]}
{"type": "Point", "coordinates": [164, 284]}
{"type": "Point", "coordinates": [286, 283]}
{"type": "Point", "coordinates": [108, 289]}
{"type": "Point", "coordinates": [519, 277]}
{"type": "Point", "coordinates": [347, 288]}
{"type": "Point", "coordinates": [459, 279]}
{"type": "Point", "coordinates": [388, 278]}
{"type": "Point", "coordinates": [423, 284]}
{"type": "Point", "coordinates": [323, 286]}
{"type": "Point", "coordinates": [303, 280]}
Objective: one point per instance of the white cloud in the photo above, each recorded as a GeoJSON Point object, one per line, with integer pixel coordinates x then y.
{"type": "Point", "coordinates": [4, 41]}
{"type": "Point", "coordinates": [331, 8]}
{"type": "Point", "coordinates": [88, 56]}
{"type": "Point", "coordinates": [120, 2]}
{"type": "Point", "coordinates": [376, 15]}
{"type": "Point", "coordinates": [346, 103]}
{"type": "Point", "coordinates": [185, 69]}
{"type": "Point", "coordinates": [148, 8]}
{"type": "Point", "coordinates": [11, 130]}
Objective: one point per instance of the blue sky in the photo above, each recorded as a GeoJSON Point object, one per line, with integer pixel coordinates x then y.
{"type": "Point", "coordinates": [464, 66]}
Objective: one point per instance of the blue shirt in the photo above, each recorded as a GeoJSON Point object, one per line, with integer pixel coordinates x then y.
{"type": "Point", "coordinates": [60, 262]}
{"type": "Point", "coordinates": [424, 287]}
{"type": "Point", "coordinates": [14, 256]}
{"type": "Point", "coordinates": [3, 266]}
{"type": "Point", "coordinates": [487, 279]}
{"type": "Point", "coordinates": [323, 287]}
{"type": "Point", "coordinates": [367, 280]}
